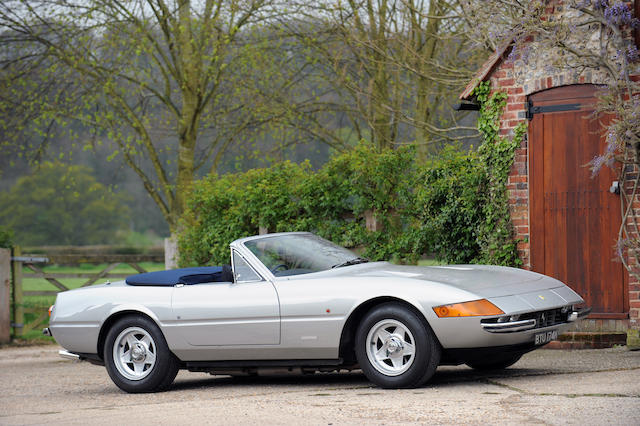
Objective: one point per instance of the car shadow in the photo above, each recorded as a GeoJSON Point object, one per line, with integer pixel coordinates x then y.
{"type": "Point", "coordinates": [347, 379]}
{"type": "Point", "coordinates": [445, 375]}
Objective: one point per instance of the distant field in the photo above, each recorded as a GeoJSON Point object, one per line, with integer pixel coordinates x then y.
{"type": "Point", "coordinates": [42, 303]}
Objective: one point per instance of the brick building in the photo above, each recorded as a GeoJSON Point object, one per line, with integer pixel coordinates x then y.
{"type": "Point", "coordinates": [567, 220]}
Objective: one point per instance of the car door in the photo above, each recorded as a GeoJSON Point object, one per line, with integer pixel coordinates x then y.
{"type": "Point", "coordinates": [245, 312]}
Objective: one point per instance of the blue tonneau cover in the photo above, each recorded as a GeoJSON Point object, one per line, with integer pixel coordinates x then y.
{"type": "Point", "coordinates": [203, 274]}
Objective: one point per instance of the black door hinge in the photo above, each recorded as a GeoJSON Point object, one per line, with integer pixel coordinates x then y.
{"type": "Point", "coordinates": [550, 108]}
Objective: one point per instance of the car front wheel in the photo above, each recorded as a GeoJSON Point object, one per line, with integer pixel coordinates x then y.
{"type": "Point", "coordinates": [396, 348]}
{"type": "Point", "coordinates": [137, 356]}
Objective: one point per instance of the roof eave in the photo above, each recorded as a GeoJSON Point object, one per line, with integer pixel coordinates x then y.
{"type": "Point", "coordinates": [486, 69]}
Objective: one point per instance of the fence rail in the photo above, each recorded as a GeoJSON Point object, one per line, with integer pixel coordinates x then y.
{"type": "Point", "coordinates": [34, 262]}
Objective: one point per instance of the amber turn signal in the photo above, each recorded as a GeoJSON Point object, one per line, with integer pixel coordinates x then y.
{"type": "Point", "coordinates": [50, 310]}
{"type": "Point", "coordinates": [468, 309]}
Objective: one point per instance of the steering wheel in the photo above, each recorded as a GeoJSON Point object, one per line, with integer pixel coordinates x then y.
{"type": "Point", "coordinates": [280, 266]}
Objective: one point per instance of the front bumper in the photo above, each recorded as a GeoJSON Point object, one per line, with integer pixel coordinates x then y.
{"type": "Point", "coordinates": [533, 320]}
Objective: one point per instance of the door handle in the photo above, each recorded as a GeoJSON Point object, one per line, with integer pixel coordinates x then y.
{"type": "Point", "coordinates": [615, 187]}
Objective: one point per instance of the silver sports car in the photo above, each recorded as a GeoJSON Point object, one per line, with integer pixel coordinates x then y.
{"type": "Point", "coordinates": [295, 301]}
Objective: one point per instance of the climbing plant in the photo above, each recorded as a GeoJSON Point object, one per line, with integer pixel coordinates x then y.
{"type": "Point", "coordinates": [495, 235]}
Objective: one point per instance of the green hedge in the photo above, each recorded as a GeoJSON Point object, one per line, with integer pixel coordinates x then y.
{"type": "Point", "coordinates": [455, 206]}
{"type": "Point", "coordinates": [6, 237]}
{"type": "Point", "coordinates": [450, 192]}
{"type": "Point", "coordinates": [433, 208]}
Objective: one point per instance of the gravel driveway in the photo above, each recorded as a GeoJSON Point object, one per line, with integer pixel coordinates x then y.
{"type": "Point", "coordinates": [546, 387]}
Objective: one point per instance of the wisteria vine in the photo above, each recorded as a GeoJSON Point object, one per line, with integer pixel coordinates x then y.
{"type": "Point", "coordinates": [598, 36]}
{"type": "Point", "coordinates": [622, 101]}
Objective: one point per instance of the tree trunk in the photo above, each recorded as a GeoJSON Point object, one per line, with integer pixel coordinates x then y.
{"type": "Point", "coordinates": [426, 49]}
{"type": "Point", "coordinates": [171, 255]}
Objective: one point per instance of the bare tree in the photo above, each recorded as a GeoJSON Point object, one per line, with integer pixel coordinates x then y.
{"type": "Point", "coordinates": [394, 64]}
{"type": "Point", "coordinates": [159, 78]}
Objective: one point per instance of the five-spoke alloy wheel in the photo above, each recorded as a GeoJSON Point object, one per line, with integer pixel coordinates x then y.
{"type": "Point", "coordinates": [134, 353]}
{"type": "Point", "coordinates": [137, 357]}
{"type": "Point", "coordinates": [395, 347]}
{"type": "Point", "coordinates": [390, 347]}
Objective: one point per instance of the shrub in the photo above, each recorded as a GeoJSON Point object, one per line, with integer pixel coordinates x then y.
{"type": "Point", "coordinates": [449, 199]}
{"type": "Point", "coordinates": [455, 206]}
{"type": "Point", "coordinates": [434, 208]}
{"type": "Point", "coordinates": [224, 208]}
{"type": "Point", "coordinates": [6, 237]}
{"type": "Point", "coordinates": [290, 197]}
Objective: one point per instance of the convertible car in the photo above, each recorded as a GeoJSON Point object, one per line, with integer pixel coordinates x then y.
{"type": "Point", "coordinates": [297, 302]}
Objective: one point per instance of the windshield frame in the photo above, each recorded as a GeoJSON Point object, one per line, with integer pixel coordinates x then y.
{"type": "Point", "coordinates": [263, 269]}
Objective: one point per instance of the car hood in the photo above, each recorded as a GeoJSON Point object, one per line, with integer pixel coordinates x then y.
{"type": "Point", "coordinates": [483, 280]}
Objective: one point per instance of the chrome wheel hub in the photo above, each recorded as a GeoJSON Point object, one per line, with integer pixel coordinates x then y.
{"type": "Point", "coordinates": [390, 347]}
{"type": "Point", "coordinates": [394, 345]}
{"type": "Point", "coordinates": [138, 353]}
{"type": "Point", "coordinates": [134, 353]}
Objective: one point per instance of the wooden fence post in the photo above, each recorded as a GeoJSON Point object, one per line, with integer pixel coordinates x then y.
{"type": "Point", "coordinates": [18, 301]}
{"type": "Point", "coordinates": [5, 295]}
{"type": "Point", "coordinates": [170, 253]}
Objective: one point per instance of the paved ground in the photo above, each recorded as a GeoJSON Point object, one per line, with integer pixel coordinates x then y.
{"type": "Point", "coordinates": [587, 387]}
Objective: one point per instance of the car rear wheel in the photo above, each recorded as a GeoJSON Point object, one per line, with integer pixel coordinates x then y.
{"type": "Point", "coordinates": [498, 362]}
{"type": "Point", "coordinates": [395, 347]}
{"type": "Point", "coordinates": [137, 356]}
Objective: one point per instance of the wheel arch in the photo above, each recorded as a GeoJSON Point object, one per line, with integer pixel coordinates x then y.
{"type": "Point", "coordinates": [347, 337]}
{"type": "Point", "coordinates": [112, 319]}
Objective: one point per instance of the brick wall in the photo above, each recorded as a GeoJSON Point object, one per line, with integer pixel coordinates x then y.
{"type": "Point", "coordinates": [519, 80]}
{"type": "Point", "coordinates": [634, 285]}
{"type": "Point", "coordinates": [522, 76]}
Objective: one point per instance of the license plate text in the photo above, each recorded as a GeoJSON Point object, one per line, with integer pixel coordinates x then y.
{"type": "Point", "coordinates": [546, 337]}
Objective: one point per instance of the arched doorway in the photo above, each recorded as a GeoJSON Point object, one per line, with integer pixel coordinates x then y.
{"type": "Point", "coordinates": [574, 218]}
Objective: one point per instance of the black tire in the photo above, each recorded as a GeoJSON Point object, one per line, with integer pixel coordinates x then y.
{"type": "Point", "coordinates": [137, 356]}
{"type": "Point", "coordinates": [498, 362]}
{"type": "Point", "coordinates": [407, 357]}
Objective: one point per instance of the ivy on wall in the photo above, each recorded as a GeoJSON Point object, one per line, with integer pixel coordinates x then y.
{"type": "Point", "coordinates": [495, 234]}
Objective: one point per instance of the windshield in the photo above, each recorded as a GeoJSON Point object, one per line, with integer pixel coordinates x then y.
{"type": "Point", "coordinates": [297, 254]}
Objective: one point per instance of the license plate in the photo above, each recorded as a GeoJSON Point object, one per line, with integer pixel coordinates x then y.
{"type": "Point", "coordinates": [546, 337]}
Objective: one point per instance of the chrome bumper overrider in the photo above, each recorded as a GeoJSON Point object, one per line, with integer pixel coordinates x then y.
{"type": "Point", "coordinates": [580, 313]}
{"type": "Point", "coordinates": [528, 324]}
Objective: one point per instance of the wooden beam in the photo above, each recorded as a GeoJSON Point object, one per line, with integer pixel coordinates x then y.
{"type": "Point", "coordinates": [101, 274]}
{"type": "Point", "coordinates": [74, 259]}
{"type": "Point", "coordinates": [52, 280]}
{"type": "Point", "coordinates": [18, 301]}
{"type": "Point", "coordinates": [137, 267]}
{"type": "Point", "coordinates": [5, 295]}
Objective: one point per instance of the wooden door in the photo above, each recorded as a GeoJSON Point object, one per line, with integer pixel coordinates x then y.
{"type": "Point", "coordinates": [574, 218]}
